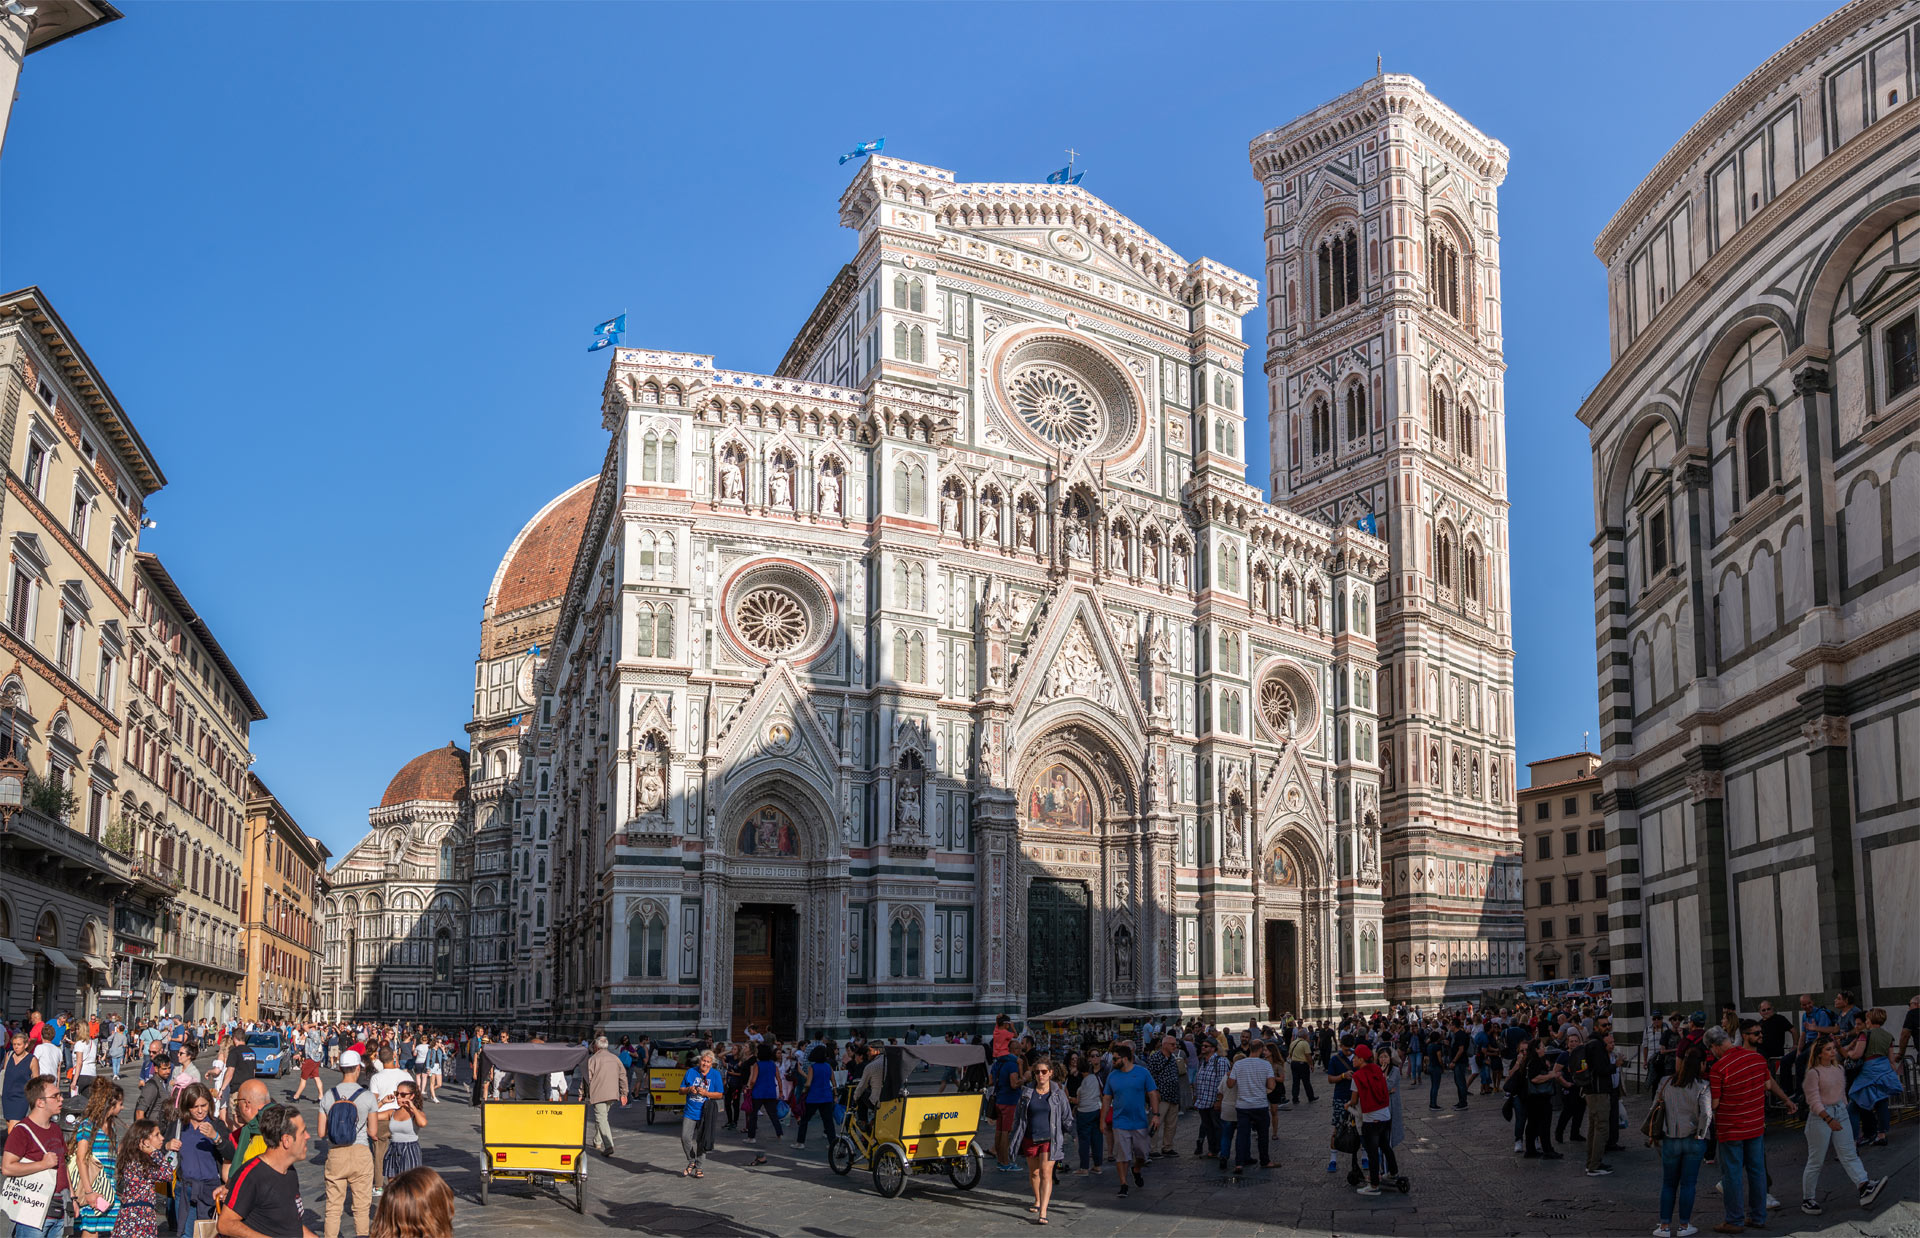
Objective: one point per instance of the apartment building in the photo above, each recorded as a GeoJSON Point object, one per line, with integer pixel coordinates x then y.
{"type": "Point", "coordinates": [1565, 869]}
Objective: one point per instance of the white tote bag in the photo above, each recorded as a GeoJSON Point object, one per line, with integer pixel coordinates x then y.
{"type": "Point", "coordinates": [27, 1198]}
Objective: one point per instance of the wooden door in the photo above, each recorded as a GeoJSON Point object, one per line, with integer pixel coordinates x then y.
{"type": "Point", "coordinates": [752, 971]}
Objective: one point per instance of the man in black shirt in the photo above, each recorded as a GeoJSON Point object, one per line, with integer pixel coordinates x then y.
{"type": "Point", "coordinates": [1459, 1058]}
{"type": "Point", "coordinates": [265, 1201]}
{"type": "Point", "coordinates": [1776, 1033]}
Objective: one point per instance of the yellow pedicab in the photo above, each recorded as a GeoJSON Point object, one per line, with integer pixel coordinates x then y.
{"type": "Point", "coordinates": [534, 1140]}
{"type": "Point", "coordinates": [663, 1082]}
{"type": "Point", "coordinates": [914, 1134]}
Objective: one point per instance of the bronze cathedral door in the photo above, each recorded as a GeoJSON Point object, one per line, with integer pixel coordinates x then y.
{"type": "Point", "coordinates": [1059, 915]}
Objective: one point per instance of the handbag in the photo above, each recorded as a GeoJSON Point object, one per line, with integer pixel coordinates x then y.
{"type": "Point", "coordinates": [1345, 1137]}
{"type": "Point", "coordinates": [1655, 1127]}
{"type": "Point", "coordinates": [90, 1178]}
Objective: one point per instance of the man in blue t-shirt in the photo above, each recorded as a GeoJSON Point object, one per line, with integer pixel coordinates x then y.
{"type": "Point", "coordinates": [1132, 1113]}
{"type": "Point", "coordinates": [702, 1083]}
{"type": "Point", "coordinates": [1340, 1074]}
{"type": "Point", "coordinates": [1006, 1100]}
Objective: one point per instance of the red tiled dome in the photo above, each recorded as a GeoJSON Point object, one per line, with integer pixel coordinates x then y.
{"type": "Point", "coordinates": [541, 557]}
{"type": "Point", "coordinates": [437, 775]}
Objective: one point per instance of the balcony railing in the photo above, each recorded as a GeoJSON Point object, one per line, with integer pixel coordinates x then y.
{"type": "Point", "coordinates": [150, 871]}
{"type": "Point", "coordinates": [62, 847]}
{"type": "Point", "coordinates": [200, 954]}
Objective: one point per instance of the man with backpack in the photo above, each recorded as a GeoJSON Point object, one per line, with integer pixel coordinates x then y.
{"type": "Point", "coordinates": [345, 1110]}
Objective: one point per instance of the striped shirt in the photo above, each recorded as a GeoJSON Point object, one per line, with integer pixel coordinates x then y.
{"type": "Point", "coordinates": [1739, 1095]}
{"type": "Point", "coordinates": [1206, 1084]}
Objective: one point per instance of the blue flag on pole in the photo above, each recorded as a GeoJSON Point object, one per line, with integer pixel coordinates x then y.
{"type": "Point", "coordinates": [864, 149]}
{"type": "Point", "coordinates": [1065, 176]}
{"type": "Point", "coordinates": [1368, 524]}
{"type": "Point", "coordinates": [608, 333]}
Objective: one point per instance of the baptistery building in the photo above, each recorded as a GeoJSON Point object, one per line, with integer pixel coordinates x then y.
{"type": "Point", "coordinates": [1756, 462]}
{"type": "Point", "coordinates": [954, 666]}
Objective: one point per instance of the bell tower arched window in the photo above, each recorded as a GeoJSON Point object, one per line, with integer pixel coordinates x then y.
{"type": "Point", "coordinates": [1339, 273]}
{"type": "Point", "coordinates": [1443, 558]}
{"type": "Point", "coordinates": [1322, 427]}
{"type": "Point", "coordinates": [1443, 271]}
{"type": "Point", "coordinates": [1356, 413]}
{"type": "Point", "coordinates": [1437, 414]}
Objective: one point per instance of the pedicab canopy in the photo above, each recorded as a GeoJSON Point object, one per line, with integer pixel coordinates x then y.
{"type": "Point", "coordinates": [534, 1061]}
{"type": "Point", "coordinates": [939, 1053]}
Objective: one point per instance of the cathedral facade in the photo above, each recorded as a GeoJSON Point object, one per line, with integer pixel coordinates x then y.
{"type": "Point", "coordinates": [955, 667]}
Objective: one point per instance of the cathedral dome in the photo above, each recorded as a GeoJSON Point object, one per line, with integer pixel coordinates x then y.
{"type": "Point", "coordinates": [437, 775]}
{"type": "Point", "coordinates": [537, 564]}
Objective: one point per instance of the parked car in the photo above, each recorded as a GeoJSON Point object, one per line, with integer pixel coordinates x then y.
{"type": "Point", "coordinates": [1599, 986]}
{"type": "Point", "coordinates": [270, 1051]}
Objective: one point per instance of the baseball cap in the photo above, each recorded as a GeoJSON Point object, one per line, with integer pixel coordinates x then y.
{"type": "Point", "coordinates": [1363, 1052]}
{"type": "Point", "coordinates": [349, 1059]}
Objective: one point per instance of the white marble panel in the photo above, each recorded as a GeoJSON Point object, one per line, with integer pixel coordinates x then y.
{"type": "Point", "coordinates": [1757, 946]}
{"type": "Point", "coordinates": [1800, 927]}
{"type": "Point", "coordinates": [1896, 911]}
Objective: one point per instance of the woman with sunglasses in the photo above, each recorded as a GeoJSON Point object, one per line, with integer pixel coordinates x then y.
{"type": "Point", "coordinates": [1041, 1119]}
{"type": "Point", "coordinates": [401, 1126]}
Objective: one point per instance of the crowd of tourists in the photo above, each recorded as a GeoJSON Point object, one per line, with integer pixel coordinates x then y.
{"type": "Point", "coordinates": [1059, 1104]}
{"type": "Point", "coordinates": [206, 1145]}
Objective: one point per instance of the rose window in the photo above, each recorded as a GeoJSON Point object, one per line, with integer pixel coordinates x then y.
{"type": "Point", "coordinates": [1277, 707]}
{"type": "Point", "coordinates": [1056, 406]}
{"type": "Point", "coordinates": [771, 621]}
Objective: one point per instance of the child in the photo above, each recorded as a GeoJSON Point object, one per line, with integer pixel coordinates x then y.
{"type": "Point", "coordinates": [141, 1166]}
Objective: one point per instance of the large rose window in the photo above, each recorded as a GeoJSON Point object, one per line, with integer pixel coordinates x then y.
{"type": "Point", "coordinates": [1055, 405]}
{"type": "Point", "coordinates": [1064, 395]}
{"type": "Point", "coordinates": [1277, 707]}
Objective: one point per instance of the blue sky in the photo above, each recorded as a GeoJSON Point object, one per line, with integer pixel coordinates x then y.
{"type": "Point", "coordinates": [339, 262]}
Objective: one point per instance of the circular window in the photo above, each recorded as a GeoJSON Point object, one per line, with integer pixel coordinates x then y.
{"type": "Point", "coordinates": [1064, 395]}
{"type": "Point", "coordinates": [771, 621]}
{"type": "Point", "coordinates": [1277, 707]}
{"type": "Point", "coordinates": [1289, 706]}
{"type": "Point", "coordinates": [1054, 405]}
{"type": "Point", "coordinates": [777, 610]}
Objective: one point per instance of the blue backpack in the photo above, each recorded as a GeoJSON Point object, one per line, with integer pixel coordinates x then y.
{"type": "Point", "coordinates": [343, 1119]}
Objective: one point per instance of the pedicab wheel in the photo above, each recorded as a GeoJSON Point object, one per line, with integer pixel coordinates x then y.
{"type": "Point", "coordinates": [840, 1156]}
{"type": "Point", "coordinates": [485, 1177]}
{"type": "Point", "coordinates": [580, 1193]}
{"type": "Point", "coordinates": [1355, 1177]}
{"type": "Point", "coordinates": [965, 1170]}
{"type": "Point", "coordinates": [890, 1171]}
{"type": "Point", "coordinates": [1405, 1184]}
{"type": "Point", "coordinates": [649, 1108]}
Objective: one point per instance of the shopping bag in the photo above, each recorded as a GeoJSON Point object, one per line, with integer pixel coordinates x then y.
{"type": "Point", "coordinates": [206, 1229]}
{"type": "Point", "coordinates": [26, 1198]}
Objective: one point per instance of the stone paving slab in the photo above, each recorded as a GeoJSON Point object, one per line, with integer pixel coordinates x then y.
{"type": "Point", "coordinates": [1466, 1180]}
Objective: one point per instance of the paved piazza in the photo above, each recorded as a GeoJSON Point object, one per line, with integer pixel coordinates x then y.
{"type": "Point", "coordinates": [1466, 1180]}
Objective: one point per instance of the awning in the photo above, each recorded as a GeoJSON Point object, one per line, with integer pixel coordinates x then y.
{"type": "Point", "coordinates": [98, 964]}
{"type": "Point", "coordinates": [58, 959]}
{"type": "Point", "coordinates": [10, 953]}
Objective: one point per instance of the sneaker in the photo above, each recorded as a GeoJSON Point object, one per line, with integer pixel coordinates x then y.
{"type": "Point", "coordinates": [1519, 1145]}
{"type": "Point", "coordinates": [800, 1147]}
{"type": "Point", "coordinates": [1663, 1231]}
{"type": "Point", "coordinates": [1123, 1190]}
{"type": "Point", "coordinates": [1605, 1170]}
{"type": "Point", "coordinates": [1773, 1204]}
{"type": "Point", "coordinates": [1461, 1105]}
{"type": "Point", "coordinates": [1870, 1191]}
{"type": "Point", "coordinates": [1811, 1208]}
{"type": "Point", "coordinates": [1139, 1179]}
{"type": "Point", "coordinates": [1369, 1190]}
{"type": "Point", "coordinates": [1686, 1231]}
{"type": "Point", "coordinates": [1171, 1152]}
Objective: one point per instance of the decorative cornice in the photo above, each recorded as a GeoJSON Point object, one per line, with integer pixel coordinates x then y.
{"type": "Point", "coordinates": [1721, 119]}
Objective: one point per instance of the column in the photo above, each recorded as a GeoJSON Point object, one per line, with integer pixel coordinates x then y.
{"type": "Point", "coordinates": [1827, 738]}
{"type": "Point", "coordinates": [1706, 790]}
